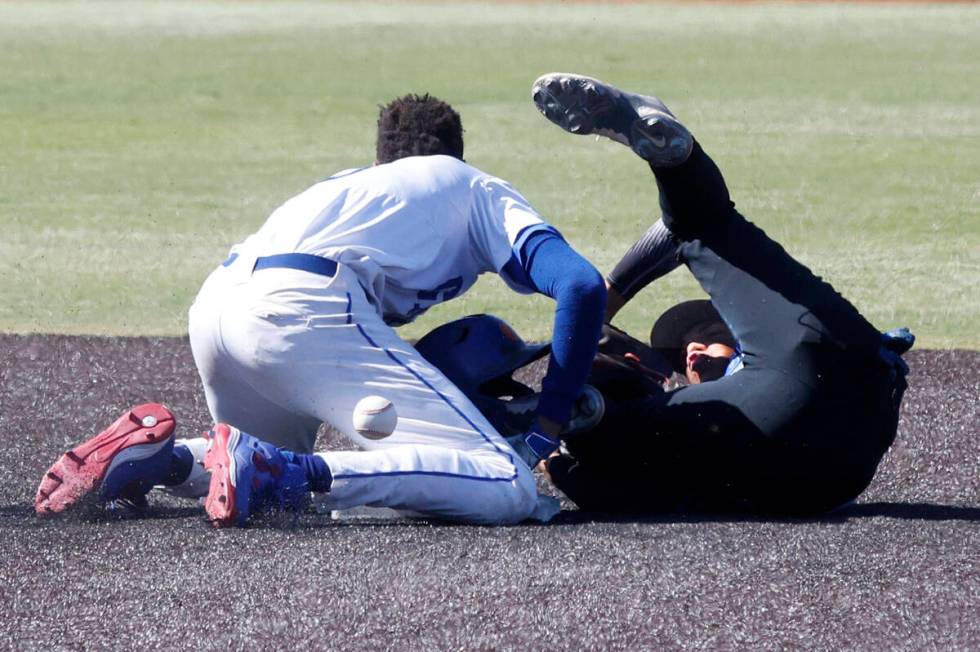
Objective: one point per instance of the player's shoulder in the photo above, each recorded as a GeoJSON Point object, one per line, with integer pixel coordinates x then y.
{"type": "Point", "coordinates": [435, 164]}
{"type": "Point", "coordinates": [421, 175]}
{"type": "Point", "coordinates": [418, 177]}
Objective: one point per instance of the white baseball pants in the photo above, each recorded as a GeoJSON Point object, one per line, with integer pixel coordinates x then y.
{"type": "Point", "coordinates": [281, 350]}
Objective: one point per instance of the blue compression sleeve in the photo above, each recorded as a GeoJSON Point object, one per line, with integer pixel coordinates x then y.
{"type": "Point", "coordinates": [559, 272]}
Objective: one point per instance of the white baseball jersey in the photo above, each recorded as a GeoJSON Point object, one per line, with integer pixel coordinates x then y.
{"type": "Point", "coordinates": [417, 231]}
{"type": "Point", "coordinates": [281, 350]}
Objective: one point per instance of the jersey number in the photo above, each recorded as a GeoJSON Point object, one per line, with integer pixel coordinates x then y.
{"type": "Point", "coordinates": [447, 290]}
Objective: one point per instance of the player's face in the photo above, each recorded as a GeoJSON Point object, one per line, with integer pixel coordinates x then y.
{"type": "Point", "coordinates": [707, 361]}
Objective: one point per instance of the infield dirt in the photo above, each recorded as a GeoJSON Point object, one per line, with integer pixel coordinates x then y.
{"type": "Point", "coordinates": [898, 570]}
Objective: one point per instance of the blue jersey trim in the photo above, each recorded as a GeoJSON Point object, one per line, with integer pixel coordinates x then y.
{"type": "Point", "coordinates": [441, 474]}
{"type": "Point", "coordinates": [517, 268]}
{"type": "Point", "coordinates": [515, 274]}
{"type": "Point", "coordinates": [445, 398]}
{"type": "Point", "coordinates": [527, 232]}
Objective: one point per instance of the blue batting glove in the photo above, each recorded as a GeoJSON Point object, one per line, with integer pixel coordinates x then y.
{"type": "Point", "coordinates": [533, 446]}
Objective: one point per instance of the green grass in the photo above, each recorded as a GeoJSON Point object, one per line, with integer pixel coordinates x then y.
{"type": "Point", "coordinates": [140, 140]}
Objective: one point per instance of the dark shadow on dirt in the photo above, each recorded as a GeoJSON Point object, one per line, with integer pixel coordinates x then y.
{"type": "Point", "coordinates": [908, 511]}
{"type": "Point", "coordinates": [914, 511]}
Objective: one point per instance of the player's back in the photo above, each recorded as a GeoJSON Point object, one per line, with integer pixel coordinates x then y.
{"type": "Point", "coordinates": [390, 213]}
{"type": "Point", "coordinates": [422, 226]}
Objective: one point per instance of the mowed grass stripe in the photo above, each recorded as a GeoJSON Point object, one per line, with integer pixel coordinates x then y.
{"type": "Point", "coordinates": [143, 139]}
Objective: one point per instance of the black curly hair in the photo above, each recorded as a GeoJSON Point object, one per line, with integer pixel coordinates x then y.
{"type": "Point", "coordinates": [418, 125]}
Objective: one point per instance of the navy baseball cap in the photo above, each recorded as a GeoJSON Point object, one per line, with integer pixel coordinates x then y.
{"type": "Point", "coordinates": [476, 349]}
{"type": "Point", "coordinates": [689, 321]}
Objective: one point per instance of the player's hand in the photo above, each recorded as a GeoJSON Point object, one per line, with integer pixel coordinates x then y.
{"type": "Point", "coordinates": [533, 446]}
{"type": "Point", "coordinates": [587, 413]}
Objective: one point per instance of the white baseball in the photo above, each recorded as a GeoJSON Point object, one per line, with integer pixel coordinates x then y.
{"type": "Point", "coordinates": [375, 417]}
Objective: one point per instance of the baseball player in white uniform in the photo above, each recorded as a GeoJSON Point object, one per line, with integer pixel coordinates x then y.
{"type": "Point", "coordinates": [296, 327]}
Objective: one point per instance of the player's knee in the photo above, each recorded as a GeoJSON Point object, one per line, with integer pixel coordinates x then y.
{"type": "Point", "coordinates": [511, 496]}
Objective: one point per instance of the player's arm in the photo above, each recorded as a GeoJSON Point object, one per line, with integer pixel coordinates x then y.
{"type": "Point", "coordinates": [652, 256]}
{"type": "Point", "coordinates": [532, 257]}
{"type": "Point", "coordinates": [558, 271]}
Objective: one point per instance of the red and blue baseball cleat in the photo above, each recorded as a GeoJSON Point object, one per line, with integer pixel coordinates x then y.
{"type": "Point", "coordinates": [249, 476]}
{"type": "Point", "coordinates": [123, 462]}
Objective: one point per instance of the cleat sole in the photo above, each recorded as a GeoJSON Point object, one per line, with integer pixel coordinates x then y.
{"type": "Point", "coordinates": [583, 105]}
{"type": "Point", "coordinates": [220, 462]}
{"type": "Point", "coordinates": [79, 473]}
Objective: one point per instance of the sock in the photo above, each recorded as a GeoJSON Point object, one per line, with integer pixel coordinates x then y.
{"type": "Point", "coordinates": [180, 465]}
{"type": "Point", "coordinates": [317, 472]}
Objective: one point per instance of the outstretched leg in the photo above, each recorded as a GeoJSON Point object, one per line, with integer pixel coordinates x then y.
{"type": "Point", "coordinates": [772, 303]}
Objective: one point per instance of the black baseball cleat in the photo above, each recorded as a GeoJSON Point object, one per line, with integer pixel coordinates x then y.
{"type": "Point", "coordinates": [582, 105]}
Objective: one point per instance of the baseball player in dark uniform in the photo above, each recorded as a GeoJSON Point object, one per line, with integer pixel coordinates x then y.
{"type": "Point", "coordinates": [793, 395]}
